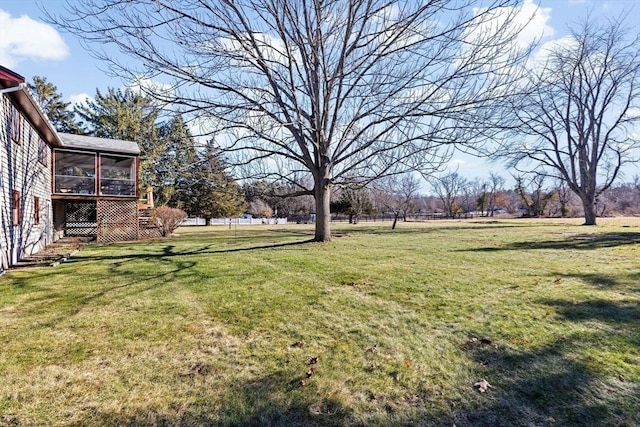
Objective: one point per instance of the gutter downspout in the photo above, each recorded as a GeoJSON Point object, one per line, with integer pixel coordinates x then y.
{"type": "Point", "coordinates": [13, 88]}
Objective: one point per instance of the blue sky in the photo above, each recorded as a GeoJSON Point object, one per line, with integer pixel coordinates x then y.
{"type": "Point", "coordinates": [30, 47]}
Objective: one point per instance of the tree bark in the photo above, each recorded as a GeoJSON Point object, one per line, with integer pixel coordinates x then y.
{"type": "Point", "coordinates": [322, 194]}
{"type": "Point", "coordinates": [589, 212]}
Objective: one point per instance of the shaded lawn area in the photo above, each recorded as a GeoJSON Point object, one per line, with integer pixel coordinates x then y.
{"type": "Point", "coordinates": [259, 326]}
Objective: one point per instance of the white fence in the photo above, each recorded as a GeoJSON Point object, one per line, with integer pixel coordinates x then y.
{"type": "Point", "coordinates": [239, 221]}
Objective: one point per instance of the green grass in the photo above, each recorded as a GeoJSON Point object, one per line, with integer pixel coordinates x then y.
{"type": "Point", "coordinates": [218, 327]}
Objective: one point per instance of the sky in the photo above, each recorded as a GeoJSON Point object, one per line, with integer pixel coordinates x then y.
{"type": "Point", "coordinates": [31, 47]}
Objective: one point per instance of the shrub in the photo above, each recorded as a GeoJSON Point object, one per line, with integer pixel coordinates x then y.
{"type": "Point", "coordinates": [169, 219]}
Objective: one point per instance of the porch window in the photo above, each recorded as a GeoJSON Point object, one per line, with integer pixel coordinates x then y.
{"type": "Point", "coordinates": [117, 175]}
{"type": "Point", "coordinates": [75, 173]}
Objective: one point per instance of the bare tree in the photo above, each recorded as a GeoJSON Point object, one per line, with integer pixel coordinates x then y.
{"type": "Point", "coordinates": [531, 191]}
{"type": "Point", "coordinates": [579, 111]}
{"type": "Point", "coordinates": [333, 88]}
{"type": "Point", "coordinates": [495, 184]}
{"type": "Point", "coordinates": [397, 194]}
{"type": "Point", "coordinates": [449, 188]}
{"type": "Point", "coordinates": [476, 197]}
{"type": "Point", "coordinates": [355, 199]}
{"type": "Point", "coordinates": [563, 192]}
{"type": "Point", "coordinates": [260, 209]}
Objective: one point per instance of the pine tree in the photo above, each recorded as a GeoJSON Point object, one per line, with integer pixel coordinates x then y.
{"type": "Point", "coordinates": [61, 117]}
{"type": "Point", "coordinates": [211, 192]}
{"type": "Point", "coordinates": [128, 116]}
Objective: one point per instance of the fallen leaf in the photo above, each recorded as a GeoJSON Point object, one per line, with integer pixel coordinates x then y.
{"type": "Point", "coordinates": [407, 363]}
{"type": "Point", "coordinates": [197, 369]}
{"type": "Point", "coordinates": [483, 385]}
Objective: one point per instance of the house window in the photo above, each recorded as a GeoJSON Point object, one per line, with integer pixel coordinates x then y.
{"type": "Point", "coordinates": [43, 156]}
{"type": "Point", "coordinates": [75, 172]}
{"type": "Point", "coordinates": [14, 125]}
{"type": "Point", "coordinates": [15, 208]}
{"type": "Point", "coordinates": [36, 210]}
{"type": "Point", "coordinates": [117, 175]}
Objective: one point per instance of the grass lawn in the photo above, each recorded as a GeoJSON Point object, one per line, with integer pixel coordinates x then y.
{"type": "Point", "coordinates": [378, 327]}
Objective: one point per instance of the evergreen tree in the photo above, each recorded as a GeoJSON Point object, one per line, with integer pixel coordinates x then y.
{"type": "Point", "coordinates": [209, 191]}
{"type": "Point", "coordinates": [128, 116]}
{"type": "Point", "coordinates": [46, 93]}
{"type": "Point", "coordinates": [173, 167]}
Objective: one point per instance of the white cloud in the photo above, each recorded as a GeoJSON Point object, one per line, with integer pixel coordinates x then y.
{"type": "Point", "coordinates": [541, 55]}
{"type": "Point", "coordinates": [24, 38]}
{"type": "Point", "coordinates": [455, 164]}
{"type": "Point", "coordinates": [80, 99]}
{"type": "Point", "coordinates": [538, 27]}
{"type": "Point", "coordinates": [633, 112]}
{"type": "Point", "coordinates": [530, 20]}
{"type": "Point", "coordinates": [144, 85]}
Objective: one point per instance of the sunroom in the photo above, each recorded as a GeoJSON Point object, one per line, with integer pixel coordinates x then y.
{"type": "Point", "coordinates": [81, 173]}
{"type": "Point", "coordinates": [95, 188]}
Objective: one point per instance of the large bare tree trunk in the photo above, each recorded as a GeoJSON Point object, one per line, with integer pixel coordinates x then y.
{"type": "Point", "coordinates": [589, 212]}
{"type": "Point", "coordinates": [322, 194]}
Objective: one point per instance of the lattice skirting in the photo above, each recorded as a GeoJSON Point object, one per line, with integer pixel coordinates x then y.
{"type": "Point", "coordinates": [117, 220]}
{"type": "Point", "coordinates": [150, 233]}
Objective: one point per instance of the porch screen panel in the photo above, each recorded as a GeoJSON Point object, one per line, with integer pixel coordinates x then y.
{"type": "Point", "coordinates": [75, 173]}
{"type": "Point", "coordinates": [117, 175]}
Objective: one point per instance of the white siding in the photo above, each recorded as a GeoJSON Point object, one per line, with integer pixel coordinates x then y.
{"type": "Point", "coordinates": [21, 170]}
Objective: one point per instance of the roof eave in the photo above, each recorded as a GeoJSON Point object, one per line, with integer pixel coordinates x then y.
{"type": "Point", "coordinates": [28, 106]}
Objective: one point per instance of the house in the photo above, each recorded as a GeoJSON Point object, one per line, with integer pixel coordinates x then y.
{"type": "Point", "coordinates": [54, 184]}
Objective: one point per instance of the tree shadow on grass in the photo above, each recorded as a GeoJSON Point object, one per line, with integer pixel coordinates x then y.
{"type": "Point", "coordinates": [624, 314]}
{"type": "Point", "coordinates": [560, 383]}
{"type": "Point", "coordinates": [277, 399]}
{"type": "Point", "coordinates": [621, 282]}
{"type": "Point", "coordinates": [546, 386]}
{"type": "Point", "coordinates": [169, 251]}
{"type": "Point", "coordinates": [580, 242]}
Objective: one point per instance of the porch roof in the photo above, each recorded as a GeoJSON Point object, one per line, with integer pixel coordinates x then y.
{"type": "Point", "coordinates": [92, 143]}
